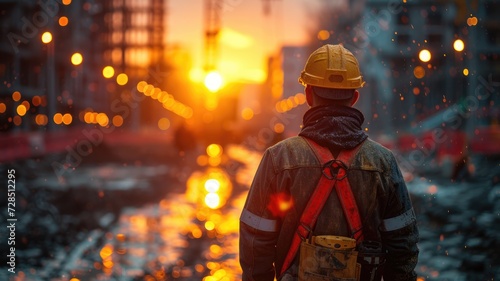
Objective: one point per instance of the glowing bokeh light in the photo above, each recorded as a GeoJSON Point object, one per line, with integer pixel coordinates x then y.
{"type": "Point", "coordinates": [117, 121]}
{"type": "Point", "coordinates": [108, 71]}
{"type": "Point", "coordinates": [163, 124]}
{"type": "Point", "coordinates": [41, 119]}
{"type": "Point", "coordinates": [323, 35]}
{"type": "Point", "coordinates": [419, 72]}
{"type": "Point", "coordinates": [67, 119]}
{"type": "Point", "coordinates": [213, 81]}
{"type": "Point", "coordinates": [63, 21]}
{"type": "Point", "coordinates": [21, 110]}
{"type": "Point", "coordinates": [102, 119]}
{"type": "Point", "coordinates": [122, 79]}
{"type": "Point", "coordinates": [57, 118]}
{"type": "Point", "coordinates": [279, 128]}
{"type": "Point", "coordinates": [247, 113]}
{"type": "Point", "coordinates": [471, 21]}
{"type": "Point", "coordinates": [16, 96]}
{"type": "Point", "coordinates": [76, 59]}
{"type": "Point", "coordinates": [17, 120]}
{"type": "Point", "coordinates": [458, 45]}
{"type": "Point", "coordinates": [425, 55]}
{"type": "Point", "coordinates": [36, 100]}
{"type": "Point", "coordinates": [141, 85]}
{"type": "Point", "coordinates": [212, 185]}
{"type": "Point", "coordinates": [212, 200]}
{"type": "Point", "coordinates": [46, 37]}
{"type": "Point", "coordinates": [214, 150]}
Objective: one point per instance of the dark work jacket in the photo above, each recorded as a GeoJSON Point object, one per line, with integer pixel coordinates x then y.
{"type": "Point", "coordinates": [286, 178]}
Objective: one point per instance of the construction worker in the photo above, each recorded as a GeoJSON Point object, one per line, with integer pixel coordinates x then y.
{"type": "Point", "coordinates": [290, 171]}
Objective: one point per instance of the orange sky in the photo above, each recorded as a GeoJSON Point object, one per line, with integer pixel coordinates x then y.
{"type": "Point", "coordinates": [247, 36]}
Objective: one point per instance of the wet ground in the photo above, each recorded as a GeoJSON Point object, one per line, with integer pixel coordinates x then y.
{"type": "Point", "coordinates": [168, 218]}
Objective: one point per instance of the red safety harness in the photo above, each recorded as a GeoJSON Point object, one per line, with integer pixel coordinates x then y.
{"type": "Point", "coordinates": [334, 175]}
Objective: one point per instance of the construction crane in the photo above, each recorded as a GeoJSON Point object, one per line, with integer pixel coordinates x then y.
{"type": "Point", "coordinates": [213, 9]}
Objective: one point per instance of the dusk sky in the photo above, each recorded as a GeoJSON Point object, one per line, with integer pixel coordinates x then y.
{"type": "Point", "coordinates": [247, 36]}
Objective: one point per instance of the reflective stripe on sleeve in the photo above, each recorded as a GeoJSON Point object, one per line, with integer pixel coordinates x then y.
{"type": "Point", "coordinates": [257, 222]}
{"type": "Point", "coordinates": [399, 222]}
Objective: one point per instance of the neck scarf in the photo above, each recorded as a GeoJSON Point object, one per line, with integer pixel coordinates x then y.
{"type": "Point", "coordinates": [334, 126]}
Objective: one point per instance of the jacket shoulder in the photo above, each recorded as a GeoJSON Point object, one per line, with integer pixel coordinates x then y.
{"type": "Point", "coordinates": [292, 152]}
{"type": "Point", "coordinates": [374, 156]}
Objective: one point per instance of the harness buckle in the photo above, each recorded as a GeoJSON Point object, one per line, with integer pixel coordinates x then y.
{"type": "Point", "coordinates": [335, 169]}
{"type": "Point", "coordinates": [303, 231]}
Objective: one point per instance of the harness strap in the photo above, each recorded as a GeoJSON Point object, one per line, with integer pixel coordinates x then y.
{"type": "Point", "coordinates": [318, 199]}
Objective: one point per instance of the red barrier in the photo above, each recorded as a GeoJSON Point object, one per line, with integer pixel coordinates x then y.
{"type": "Point", "coordinates": [21, 145]}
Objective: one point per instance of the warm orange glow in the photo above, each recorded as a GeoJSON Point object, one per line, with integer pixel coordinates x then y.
{"type": "Point", "coordinates": [212, 185]}
{"type": "Point", "coordinates": [36, 100]}
{"type": "Point", "coordinates": [16, 96]}
{"type": "Point", "coordinates": [106, 251]}
{"type": "Point", "coordinates": [458, 45]}
{"type": "Point", "coordinates": [247, 113]}
{"type": "Point", "coordinates": [74, 279]}
{"type": "Point", "coordinates": [213, 81]}
{"type": "Point", "coordinates": [66, 2]}
{"type": "Point", "coordinates": [471, 21]}
{"type": "Point", "coordinates": [216, 249]}
{"type": "Point", "coordinates": [209, 189]}
{"type": "Point", "coordinates": [163, 124]}
{"type": "Point", "coordinates": [102, 119]}
{"type": "Point", "coordinates": [17, 120]}
{"type": "Point", "coordinates": [279, 128]}
{"type": "Point", "coordinates": [465, 72]}
{"type": "Point", "coordinates": [280, 203]}
{"type": "Point", "coordinates": [424, 55]}
{"type": "Point", "coordinates": [209, 225]}
{"type": "Point", "coordinates": [196, 75]}
{"type": "Point", "coordinates": [196, 232]}
{"type": "Point", "coordinates": [122, 79]}
{"type": "Point", "coordinates": [148, 90]}
{"type": "Point", "coordinates": [214, 150]}
{"type": "Point", "coordinates": [416, 91]}
{"type": "Point", "coordinates": [166, 99]}
{"type": "Point", "coordinates": [419, 72]}
{"type": "Point", "coordinates": [26, 104]}
{"type": "Point", "coordinates": [108, 71]}
{"type": "Point", "coordinates": [212, 200]}
{"type": "Point", "coordinates": [141, 85]}
{"type": "Point", "coordinates": [214, 161]}
{"type": "Point", "coordinates": [290, 103]}
{"type": "Point", "coordinates": [234, 38]}
{"type": "Point", "coordinates": [117, 121]}
{"type": "Point", "coordinates": [57, 118]}
{"type": "Point", "coordinates": [323, 35]}
{"type": "Point", "coordinates": [41, 119]}
{"type": "Point", "coordinates": [76, 59]}
{"type": "Point", "coordinates": [202, 160]}
{"type": "Point", "coordinates": [21, 110]}
{"type": "Point", "coordinates": [63, 21]}
{"type": "Point", "coordinates": [3, 107]}
{"type": "Point", "coordinates": [67, 119]}
{"type": "Point", "coordinates": [89, 117]}
{"type": "Point", "coordinates": [46, 37]}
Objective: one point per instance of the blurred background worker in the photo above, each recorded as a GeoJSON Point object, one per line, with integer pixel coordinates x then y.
{"type": "Point", "coordinates": [289, 172]}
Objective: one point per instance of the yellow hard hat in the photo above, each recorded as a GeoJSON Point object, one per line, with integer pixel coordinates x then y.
{"type": "Point", "coordinates": [332, 66]}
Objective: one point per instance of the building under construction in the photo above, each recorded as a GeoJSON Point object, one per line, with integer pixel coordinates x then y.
{"type": "Point", "coordinates": [65, 62]}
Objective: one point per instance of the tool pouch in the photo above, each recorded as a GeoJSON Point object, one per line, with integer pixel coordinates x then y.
{"type": "Point", "coordinates": [319, 263]}
{"type": "Point", "coordinates": [371, 257]}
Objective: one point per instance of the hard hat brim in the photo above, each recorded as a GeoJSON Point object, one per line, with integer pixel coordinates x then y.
{"type": "Point", "coordinates": [340, 94]}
